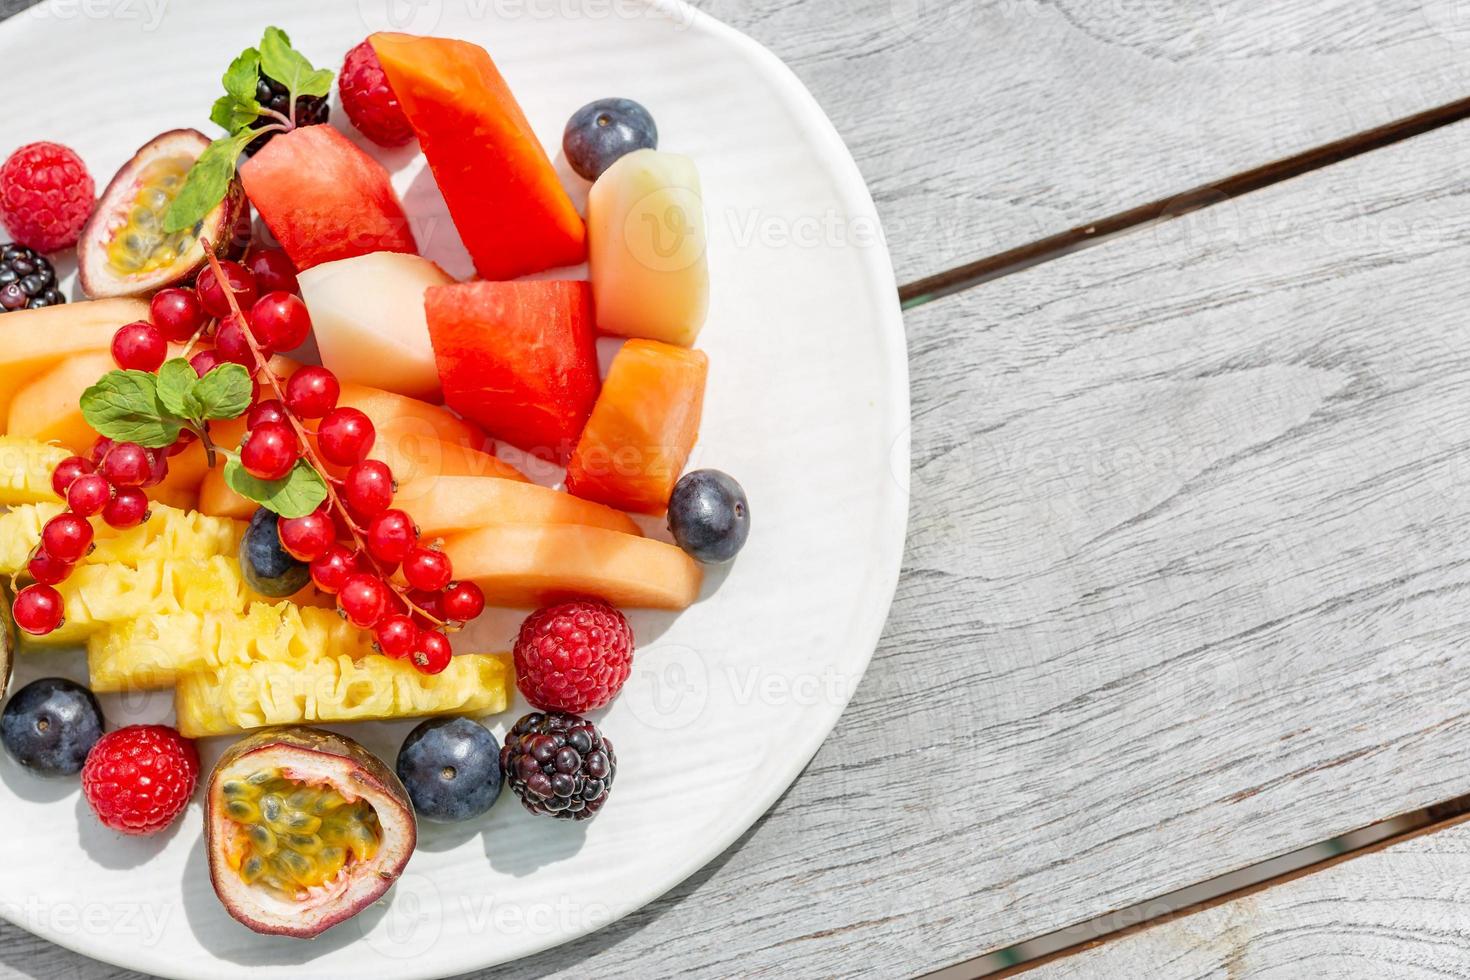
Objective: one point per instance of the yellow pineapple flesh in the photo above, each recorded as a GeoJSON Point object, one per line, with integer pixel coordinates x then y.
{"type": "Point", "coordinates": [98, 596]}
{"type": "Point", "coordinates": [25, 470]}
{"type": "Point", "coordinates": [167, 534]}
{"type": "Point", "coordinates": [242, 697]}
{"type": "Point", "coordinates": [152, 651]}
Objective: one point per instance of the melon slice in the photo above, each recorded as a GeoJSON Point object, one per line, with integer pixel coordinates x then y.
{"type": "Point", "coordinates": [644, 427]}
{"type": "Point", "coordinates": [398, 417]}
{"type": "Point", "coordinates": [530, 566]}
{"type": "Point", "coordinates": [452, 504]}
{"type": "Point", "coordinates": [49, 408]}
{"type": "Point", "coordinates": [38, 340]}
{"type": "Point", "coordinates": [520, 358]}
{"type": "Point", "coordinates": [645, 223]}
{"type": "Point", "coordinates": [503, 193]}
{"type": "Point", "coordinates": [324, 199]}
{"type": "Point", "coordinates": [368, 316]}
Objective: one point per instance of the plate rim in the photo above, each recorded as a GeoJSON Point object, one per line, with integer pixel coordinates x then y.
{"type": "Point", "coordinates": [867, 627]}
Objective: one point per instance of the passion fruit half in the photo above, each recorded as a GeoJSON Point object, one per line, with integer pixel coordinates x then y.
{"type": "Point", "coordinates": [8, 639]}
{"type": "Point", "coordinates": [305, 829]}
{"type": "Point", "coordinates": [124, 250]}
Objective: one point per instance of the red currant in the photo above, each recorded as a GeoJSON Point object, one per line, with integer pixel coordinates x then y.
{"type": "Point", "coordinates": [186, 439]}
{"type": "Point", "coordinates": [139, 347]}
{"type": "Point", "coordinates": [427, 570]}
{"type": "Point", "coordinates": [333, 568]}
{"type": "Point", "coordinates": [273, 270]}
{"type": "Point", "coordinates": [432, 653]}
{"type": "Point", "coordinates": [364, 600]}
{"type": "Point", "coordinates": [127, 464]}
{"type": "Point", "coordinates": [99, 451]}
{"type": "Point", "coordinates": [177, 313]}
{"type": "Point", "coordinates": [157, 467]}
{"type": "Point", "coordinates": [47, 570]}
{"type": "Point", "coordinates": [307, 538]}
{"type": "Point", "coordinates": [270, 410]}
{"type": "Point", "coordinates": [368, 488]}
{"type": "Point", "coordinates": [67, 471]}
{"type": "Point", "coordinates": [280, 321]}
{"type": "Point", "coordinates": [88, 494]}
{"type": "Point", "coordinates": [38, 609]}
{"type": "Point", "coordinates": [212, 297]}
{"type": "Point", "coordinates": [462, 602]}
{"type": "Point", "coordinates": [269, 451]}
{"type": "Point", "coordinates": [128, 508]}
{"type": "Point", "coordinates": [312, 392]}
{"type": "Point", "coordinates": [66, 537]}
{"type": "Point", "coordinates": [346, 436]}
{"type": "Point", "coordinates": [431, 603]}
{"type": "Point", "coordinates": [205, 361]}
{"type": "Point", "coordinates": [231, 344]}
{"type": "Point", "coordinates": [390, 536]}
{"type": "Point", "coordinates": [397, 636]}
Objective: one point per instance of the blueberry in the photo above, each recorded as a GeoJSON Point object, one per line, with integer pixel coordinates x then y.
{"type": "Point", "coordinates": [50, 725]}
{"type": "Point", "coordinates": [709, 516]}
{"type": "Point", "coordinates": [451, 769]}
{"type": "Point", "coordinates": [603, 131]}
{"type": "Point", "coordinates": [268, 569]}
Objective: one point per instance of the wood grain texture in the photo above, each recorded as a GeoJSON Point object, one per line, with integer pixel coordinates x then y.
{"type": "Point", "coordinates": [1397, 913]}
{"type": "Point", "coordinates": [981, 126]}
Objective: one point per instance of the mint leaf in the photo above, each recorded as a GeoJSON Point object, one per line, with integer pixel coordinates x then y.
{"type": "Point", "coordinates": [175, 378]}
{"type": "Point", "coordinates": [242, 76]}
{"type": "Point", "coordinates": [289, 67]}
{"type": "Point", "coordinates": [231, 114]}
{"type": "Point", "coordinates": [124, 406]}
{"type": "Point", "coordinates": [223, 393]}
{"type": "Point", "coordinates": [208, 182]}
{"type": "Point", "coordinates": [297, 494]}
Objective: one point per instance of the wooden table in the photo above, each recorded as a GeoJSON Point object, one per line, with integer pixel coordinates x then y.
{"type": "Point", "coordinates": [1188, 577]}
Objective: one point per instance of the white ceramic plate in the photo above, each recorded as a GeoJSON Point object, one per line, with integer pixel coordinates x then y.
{"type": "Point", "coordinates": [807, 406]}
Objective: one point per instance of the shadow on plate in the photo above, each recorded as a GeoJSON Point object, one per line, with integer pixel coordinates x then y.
{"type": "Point", "coordinates": [119, 852]}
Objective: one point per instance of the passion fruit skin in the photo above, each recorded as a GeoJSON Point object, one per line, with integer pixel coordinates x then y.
{"type": "Point", "coordinates": [94, 274]}
{"type": "Point", "coordinates": [8, 639]}
{"type": "Point", "coordinates": [370, 777]}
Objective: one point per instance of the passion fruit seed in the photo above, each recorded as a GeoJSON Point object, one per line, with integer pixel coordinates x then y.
{"type": "Point", "coordinates": [296, 836]}
{"type": "Point", "coordinates": [141, 245]}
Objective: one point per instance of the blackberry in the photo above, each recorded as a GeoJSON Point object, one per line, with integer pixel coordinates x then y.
{"type": "Point", "coordinates": [27, 280]}
{"type": "Point", "coordinates": [559, 765]}
{"type": "Point", "coordinates": [311, 110]}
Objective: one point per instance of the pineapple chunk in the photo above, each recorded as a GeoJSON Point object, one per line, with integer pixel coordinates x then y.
{"type": "Point", "coordinates": [168, 533]}
{"type": "Point", "coordinates": [152, 651]}
{"type": "Point", "coordinates": [98, 596]}
{"type": "Point", "coordinates": [332, 689]}
{"type": "Point", "coordinates": [25, 470]}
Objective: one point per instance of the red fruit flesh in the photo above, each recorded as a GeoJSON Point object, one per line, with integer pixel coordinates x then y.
{"type": "Point", "coordinates": [324, 199]}
{"type": "Point", "coordinates": [519, 358]}
{"type": "Point", "coordinates": [503, 193]}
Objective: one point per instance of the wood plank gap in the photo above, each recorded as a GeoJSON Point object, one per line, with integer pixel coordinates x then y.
{"type": "Point", "coordinates": [1021, 957]}
{"type": "Point", "coordinates": [1041, 250]}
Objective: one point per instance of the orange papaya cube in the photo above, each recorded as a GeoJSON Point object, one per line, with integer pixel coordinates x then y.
{"type": "Point", "coordinates": [38, 340]}
{"type": "Point", "coordinates": [642, 428]}
{"type": "Point", "coordinates": [502, 191]}
{"type": "Point", "coordinates": [447, 505]}
{"type": "Point", "coordinates": [527, 566]}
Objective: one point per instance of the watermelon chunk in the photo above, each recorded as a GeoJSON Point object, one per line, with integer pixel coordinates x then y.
{"type": "Point", "coordinates": [519, 358]}
{"type": "Point", "coordinates": [324, 199]}
{"type": "Point", "coordinates": [504, 195]}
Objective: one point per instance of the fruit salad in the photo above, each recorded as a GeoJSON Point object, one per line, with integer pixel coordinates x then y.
{"type": "Point", "coordinates": [272, 459]}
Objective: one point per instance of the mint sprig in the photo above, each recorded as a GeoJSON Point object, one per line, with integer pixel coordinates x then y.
{"type": "Point", "coordinates": [234, 112]}
{"type": "Point", "coordinates": [296, 494]}
{"type": "Point", "coordinates": [152, 410]}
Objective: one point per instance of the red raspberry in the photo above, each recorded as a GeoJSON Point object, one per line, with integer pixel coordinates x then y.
{"type": "Point", "coordinates": [369, 101]}
{"type": "Point", "coordinates": [139, 779]}
{"type": "Point", "coordinates": [46, 196]}
{"type": "Point", "coordinates": [573, 657]}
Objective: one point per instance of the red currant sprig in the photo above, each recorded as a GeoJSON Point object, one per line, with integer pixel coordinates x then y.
{"type": "Point", "coordinates": [359, 577]}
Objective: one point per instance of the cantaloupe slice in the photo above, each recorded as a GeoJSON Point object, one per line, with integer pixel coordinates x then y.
{"type": "Point", "coordinates": [398, 417]}
{"type": "Point", "coordinates": [448, 505]}
{"type": "Point", "coordinates": [38, 340]}
{"type": "Point", "coordinates": [49, 409]}
{"type": "Point", "coordinates": [525, 566]}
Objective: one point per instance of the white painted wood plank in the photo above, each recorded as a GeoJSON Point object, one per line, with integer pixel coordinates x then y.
{"type": "Point", "coordinates": [1397, 913]}
{"type": "Point", "coordinates": [982, 125]}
